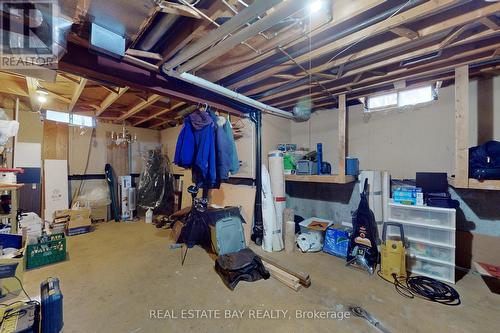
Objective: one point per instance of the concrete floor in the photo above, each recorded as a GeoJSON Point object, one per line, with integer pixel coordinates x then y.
{"type": "Point", "coordinates": [120, 272]}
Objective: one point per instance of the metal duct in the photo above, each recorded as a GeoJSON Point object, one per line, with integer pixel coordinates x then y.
{"type": "Point", "coordinates": [200, 82]}
{"type": "Point", "coordinates": [159, 30]}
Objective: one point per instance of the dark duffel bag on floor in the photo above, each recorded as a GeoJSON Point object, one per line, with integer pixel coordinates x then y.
{"type": "Point", "coordinates": [243, 265]}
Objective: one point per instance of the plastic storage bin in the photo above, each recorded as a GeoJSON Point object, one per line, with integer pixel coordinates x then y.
{"type": "Point", "coordinates": [435, 270]}
{"type": "Point", "coordinates": [430, 232]}
{"type": "Point", "coordinates": [423, 215]}
{"type": "Point", "coordinates": [50, 249]}
{"type": "Point", "coordinates": [433, 252]}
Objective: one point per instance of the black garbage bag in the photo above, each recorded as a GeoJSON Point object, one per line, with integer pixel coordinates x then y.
{"type": "Point", "coordinates": [243, 265]}
{"type": "Point", "coordinates": [362, 250]}
{"type": "Point", "coordinates": [152, 180]}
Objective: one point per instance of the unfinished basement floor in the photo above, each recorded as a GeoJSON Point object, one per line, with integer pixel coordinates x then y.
{"type": "Point", "coordinates": [115, 275]}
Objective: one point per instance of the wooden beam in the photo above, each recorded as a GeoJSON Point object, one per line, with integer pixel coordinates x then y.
{"type": "Point", "coordinates": [281, 12]}
{"type": "Point", "coordinates": [159, 113]}
{"type": "Point", "coordinates": [489, 23]}
{"type": "Point", "coordinates": [76, 94]}
{"type": "Point", "coordinates": [403, 31]}
{"type": "Point", "coordinates": [373, 30]}
{"type": "Point", "coordinates": [384, 62]}
{"type": "Point", "coordinates": [342, 134]}
{"type": "Point", "coordinates": [343, 11]}
{"type": "Point", "coordinates": [453, 36]}
{"type": "Point", "coordinates": [236, 22]}
{"type": "Point", "coordinates": [403, 74]}
{"type": "Point", "coordinates": [178, 9]}
{"type": "Point", "coordinates": [140, 106]}
{"type": "Point", "coordinates": [143, 54]}
{"type": "Point", "coordinates": [109, 100]}
{"type": "Point", "coordinates": [31, 83]}
{"type": "Point", "coordinates": [462, 126]}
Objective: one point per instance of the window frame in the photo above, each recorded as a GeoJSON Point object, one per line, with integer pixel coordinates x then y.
{"type": "Point", "coordinates": [71, 119]}
{"type": "Point", "coordinates": [434, 91]}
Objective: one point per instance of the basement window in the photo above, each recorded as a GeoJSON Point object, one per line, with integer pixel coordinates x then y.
{"type": "Point", "coordinates": [401, 99]}
{"type": "Point", "coordinates": [71, 119]}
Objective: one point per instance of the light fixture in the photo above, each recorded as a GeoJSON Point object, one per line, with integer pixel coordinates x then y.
{"type": "Point", "coordinates": [123, 137]}
{"type": "Point", "coordinates": [41, 95]}
{"type": "Point", "coordinates": [315, 6]}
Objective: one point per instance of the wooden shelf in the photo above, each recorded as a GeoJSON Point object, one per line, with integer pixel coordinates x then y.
{"type": "Point", "coordinates": [10, 186]}
{"type": "Point", "coordinates": [492, 185]}
{"type": "Point", "coordinates": [332, 179]}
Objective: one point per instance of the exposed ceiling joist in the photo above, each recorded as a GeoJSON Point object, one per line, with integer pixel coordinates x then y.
{"type": "Point", "coordinates": [343, 11]}
{"type": "Point", "coordinates": [31, 83]}
{"type": "Point", "coordinates": [178, 9]}
{"type": "Point", "coordinates": [236, 22]}
{"type": "Point", "coordinates": [109, 100]}
{"type": "Point", "coordinates": [396, 44]}
{"type": "Point", "coordinates": [143, 54]}
{"type": "Point", "coordinates": [159, 113]}
{"type": "Point", "coordinates": [403, 31]}
{"type": "Point", "coordinates": [491, 24]}
{"type": "Point", "coordinates": [76, 94]}
{"type": "Point", "coordinates": [453, 36]}
{"type": "Point", "coordinates": [140, 106]}
{"type": "Point", "coordinates": [386, 25]}
{"type": "Point", "coordinates": [280, 12]}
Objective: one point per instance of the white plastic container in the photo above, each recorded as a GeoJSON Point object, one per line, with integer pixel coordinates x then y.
{"type": "Point", "coordinates": [149, 216]}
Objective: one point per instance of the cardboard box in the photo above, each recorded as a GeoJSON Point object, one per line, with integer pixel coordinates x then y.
{"type": "Point", "coordinates": [79, 213]}
{"type": "Point", "coordinates": [77, 223]}
{"type": "Point", "coordinates": [99, 213]}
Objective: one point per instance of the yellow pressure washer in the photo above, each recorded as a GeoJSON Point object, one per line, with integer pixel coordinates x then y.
{"type": "Point", "coordinates": [393, 254]}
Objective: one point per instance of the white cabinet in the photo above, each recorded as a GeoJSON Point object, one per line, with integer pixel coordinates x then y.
{"type": "Point", "coordinates": [430, 232]}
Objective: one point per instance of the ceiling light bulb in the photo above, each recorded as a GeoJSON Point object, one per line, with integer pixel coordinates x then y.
{"type": "Point", "coordinates": [315, 6]}
{"type": "Point", "coordinates": [42, 99]}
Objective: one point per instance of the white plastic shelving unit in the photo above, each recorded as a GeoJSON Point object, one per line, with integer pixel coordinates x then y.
{"type": "Point", "coordinates": [430, 232]}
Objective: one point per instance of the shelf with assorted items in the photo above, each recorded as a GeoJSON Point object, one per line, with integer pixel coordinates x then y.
{"type": "Point", "coordinates": [332, 179]}
{"type": "Point", "coordinates": [12, 215]}
{"type": "Point", "coordinates": [340, 178]}
{"type": "Point", "coordinates": [475, 184]}
{"type": "Point", "coordinates": [430, 232]}
{"type": "Point", "coordinates": [461, 179]}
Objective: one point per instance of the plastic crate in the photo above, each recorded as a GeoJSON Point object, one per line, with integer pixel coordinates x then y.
{"type": "Point", "coordinates": [49, 250]}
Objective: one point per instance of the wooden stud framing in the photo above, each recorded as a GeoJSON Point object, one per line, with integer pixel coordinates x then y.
{"type": "Point", "coordinates": [342, 134]}
{"type": "Point", "coordinates": [462, 127]}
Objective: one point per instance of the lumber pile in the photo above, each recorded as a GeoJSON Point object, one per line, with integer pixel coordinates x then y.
{"type": "Point", "coordinates": [291, 279]}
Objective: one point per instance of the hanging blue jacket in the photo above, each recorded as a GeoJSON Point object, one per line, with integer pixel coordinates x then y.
{"type": "Point", "coordinates": [195, 149]}
{"type": "Point", "coordinates": [235, 162]}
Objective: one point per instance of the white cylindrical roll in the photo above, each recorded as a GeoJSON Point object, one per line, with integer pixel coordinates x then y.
{"type": "Point", "coordinates": [277, 176]}
{"type": "Point", "coordinates": [271, 239]}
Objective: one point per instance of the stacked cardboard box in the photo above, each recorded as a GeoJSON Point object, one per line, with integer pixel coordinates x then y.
{"type": "Point", "coordinates": [76, 220]}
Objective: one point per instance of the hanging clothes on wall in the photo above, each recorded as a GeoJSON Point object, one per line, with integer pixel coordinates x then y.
{"type": "Point", "coordinates": [235, 162]}
{"type": "Point", "coordinates": [196, 148]}
{"type": "Point", "coordinates": [206, 145]}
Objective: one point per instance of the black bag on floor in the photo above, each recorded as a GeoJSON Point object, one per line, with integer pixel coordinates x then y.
{"type": "Point", "coordinates": [243, 265]}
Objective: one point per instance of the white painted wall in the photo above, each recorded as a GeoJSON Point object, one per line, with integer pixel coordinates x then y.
{"type": "Point", "coordinates": [403, 142]}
